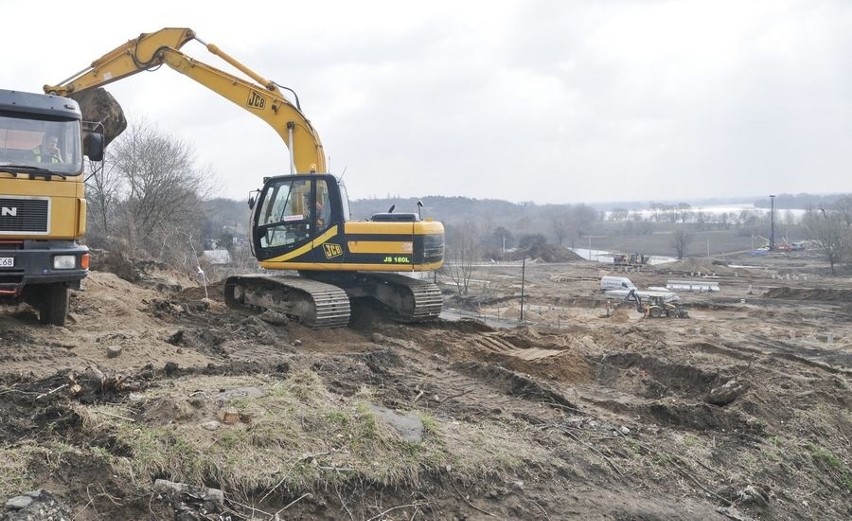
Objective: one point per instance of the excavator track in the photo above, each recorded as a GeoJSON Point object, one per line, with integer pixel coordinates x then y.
{"type": "Point", "coordinates": [322, 300]}
{"type": "Point", "coordinates": [402, 298]}
{"type": "Point", "coordinates": [313, 303]}
{"type": "Point", "coordinates": [409, 299]}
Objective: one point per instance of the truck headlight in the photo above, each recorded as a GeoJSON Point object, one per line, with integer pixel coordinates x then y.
{"type": "Point", "coordinates": [64, 262]}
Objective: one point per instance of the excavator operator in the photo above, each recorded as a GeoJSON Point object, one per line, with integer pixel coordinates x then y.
{"type": "Point", "coordinates": [323, 209]}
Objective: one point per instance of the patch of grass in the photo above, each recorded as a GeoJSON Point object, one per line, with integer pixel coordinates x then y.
{"type": "Point", "coordinates": [824, 456]}
{"type": "Point", "coordinates": [828, 460]}
{"type": "Point", "coordinates": [429, 422]}
{"type": "Point", "coordinates": [15, 477]}
{"type": "Point", "coordinates": [690, 440]}
{"type": "Point", "coordinates": [659, 243]}
{"type": "Point", "coordinates": [337, 418]}
{"type": "Point", "coordinates": [25, 465]}
{"type": "Point", "coordinates": [300, 436]}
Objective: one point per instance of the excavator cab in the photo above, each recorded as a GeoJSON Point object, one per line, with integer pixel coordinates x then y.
{"type": "Point", "coordinates": [294, 210]}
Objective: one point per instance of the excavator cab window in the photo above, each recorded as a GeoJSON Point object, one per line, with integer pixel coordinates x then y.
{"type": "Point", "coordinates": [293, 210]}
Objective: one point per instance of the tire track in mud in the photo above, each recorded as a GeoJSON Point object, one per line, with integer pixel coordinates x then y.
{"type": "Point", "coordinates": [466, 372]}
{"type": "Point", "coordinates": [497, 343]}
{"type": "Point", "coordinates": [836, 361]}
{"type": "Point", "coordinates": [624, 387]}
{"type": "Point", "coordinates": [832, 360]}
{"type": "Point", "coordinates": [651, 390]}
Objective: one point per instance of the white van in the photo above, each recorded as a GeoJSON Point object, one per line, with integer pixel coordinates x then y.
{"type": "Point", "coordinates": [613, 283]}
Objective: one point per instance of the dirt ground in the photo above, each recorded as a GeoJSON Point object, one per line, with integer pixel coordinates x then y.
{"type": "Point", "coordinates": [741, 411]}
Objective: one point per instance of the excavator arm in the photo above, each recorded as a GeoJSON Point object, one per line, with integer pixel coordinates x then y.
{"type": "Point", "coordinates": [260, 97]}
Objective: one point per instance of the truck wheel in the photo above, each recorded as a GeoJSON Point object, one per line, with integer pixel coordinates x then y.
{"type": "Point", "coordinates": [53, 304]}
{"type": "Point", "coordinates": [656, 312]}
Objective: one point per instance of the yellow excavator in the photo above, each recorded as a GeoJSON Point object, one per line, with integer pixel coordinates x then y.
{"type": "Point", "coordinates": [299, 221]}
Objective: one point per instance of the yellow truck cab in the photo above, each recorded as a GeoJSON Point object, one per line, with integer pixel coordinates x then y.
{"type": "Point", "coordinates": [42, 201]}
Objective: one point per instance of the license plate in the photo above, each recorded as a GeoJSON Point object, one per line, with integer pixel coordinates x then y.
{"type": "Point", "coordinates": [7, 262]}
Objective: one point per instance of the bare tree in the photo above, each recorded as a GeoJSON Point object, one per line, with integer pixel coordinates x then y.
{"type": "Point", "coordinates": [657, 211]}
{"type": "Point", "coordinates": [844, 207]}
{"type": "Point", "coordinates": [161, 191]}
{"type": "Point", "coordinates": [562, 224]}
{"type": "Point", "coordinates": [103, 195]}
{"type": "Point", "coordinates": [583, 217]}
{"type": "Point", "coordinates": [683, 212]}
{"type": "Point", "coordinates": [496, 243]}
{"type": "Point", "coordinates": [701, 220]}
{"type": "Point", "coordinates": [725, 220]}
{"type": "Point", "coordinates": [833, 237]}
{"type": "Point", "coordinates": [681, 239]}
{"type": "Point", "coordinates": [619, 214]}
{"type": "Point", "coordinates": [462, 252]}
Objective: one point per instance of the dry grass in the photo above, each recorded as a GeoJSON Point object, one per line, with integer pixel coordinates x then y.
{"type": "Point", "coordinates": [301, 437]}
{"type": "Point", "coordinates": [16, 461]}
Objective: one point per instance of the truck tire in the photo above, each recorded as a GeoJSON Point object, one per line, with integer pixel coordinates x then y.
{"type": "Point", "coordinates": [656, 312]}
{"type": "Point", "coordinates": [53, 304]}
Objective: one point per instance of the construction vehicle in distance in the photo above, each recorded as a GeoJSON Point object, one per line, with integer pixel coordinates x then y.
{"type": "Point", "coordinates": [631, 259]}
{"type": "Point", "coordinates": [42, 206]}
{"type": "Point", "coordinates": [656, 305]}
{"type": "Point", "coordinates": [299, 221]}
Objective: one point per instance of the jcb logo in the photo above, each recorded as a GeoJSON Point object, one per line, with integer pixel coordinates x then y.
{"type": "Point", "coordinates": [8, 211]}
{"type": "Point", "coordinates": [332, 250]}
{"type": "Point", "coordinates": [256, 100]}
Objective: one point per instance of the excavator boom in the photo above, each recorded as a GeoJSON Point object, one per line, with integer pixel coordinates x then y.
{"type": "Point", "coordinates": [261, 97]}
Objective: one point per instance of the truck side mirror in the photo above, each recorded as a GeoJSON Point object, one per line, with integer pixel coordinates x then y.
{"type": "Point", "coordinates": [94, 146]}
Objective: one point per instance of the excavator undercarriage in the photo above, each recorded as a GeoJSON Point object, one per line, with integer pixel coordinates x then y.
{"type": "Point", "coordinates": [324, 300]}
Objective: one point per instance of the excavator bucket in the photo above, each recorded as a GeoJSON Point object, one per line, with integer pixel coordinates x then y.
{"type": "Point", "coordinates": [98, 105]}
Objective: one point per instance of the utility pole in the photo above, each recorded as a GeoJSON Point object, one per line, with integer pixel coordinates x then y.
{"type": "Point", "coordinates": [771, 223]}
{"type": "Point", "coordinates": [523, 277]}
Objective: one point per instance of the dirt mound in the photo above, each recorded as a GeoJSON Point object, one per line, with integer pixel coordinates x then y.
{"type": "Point", "coordinates": [824, 295]}
{"type": "Point", "coordinates": [545, 253]}
{"type": "Point", "coordinates": [145, 273]}
{"type": "Point", "coordinates": [695, 266]}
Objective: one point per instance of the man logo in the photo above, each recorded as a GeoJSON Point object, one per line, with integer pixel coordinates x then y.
{"type": "Point", "coordinates": [332, 250]}
{"type": "Point", "coordinates": [8, 211]}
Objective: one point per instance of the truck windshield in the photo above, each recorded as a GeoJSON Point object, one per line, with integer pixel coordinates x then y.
{"type": "Point", "coordinates": [53, 145]}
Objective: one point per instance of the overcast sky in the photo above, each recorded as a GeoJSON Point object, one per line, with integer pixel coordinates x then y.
{"type": "Point", "coordinates": [546, 101]}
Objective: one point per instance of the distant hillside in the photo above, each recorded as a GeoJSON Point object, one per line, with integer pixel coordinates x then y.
{"type": "Point", "coordinates": [439, 207]}
{"type": "Point", "coordinates": [226, 217]}
{"type": "Point", "coordinates": [460, 209]}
